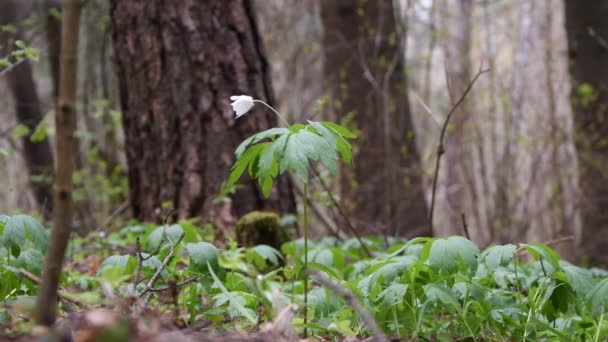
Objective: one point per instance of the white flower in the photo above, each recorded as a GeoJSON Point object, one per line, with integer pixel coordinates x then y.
{"type": "Point", "coordinates": [241, 104]}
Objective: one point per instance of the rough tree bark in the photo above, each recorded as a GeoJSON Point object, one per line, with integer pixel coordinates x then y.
{"type": "Point", "coordinates": [458, 156]}
{"type": "Point", "coordinates": [178, 64]}
{"type": "Point", "coordinates": [38, 156]}
{"type": "Point", "coordinates": [365, 73]}
{"type": "Point", "coordinates": [65, 124]}
{"type": "Point", "coordinates": [587, 31]}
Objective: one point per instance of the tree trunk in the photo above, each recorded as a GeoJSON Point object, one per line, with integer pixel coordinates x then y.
{"type": "Point", "coordinates": [65, 125]}
{"type": "Point", "coordinates": [37, 154]}
{"type": "Point", "coordinates": [52, 13]}
{"type": "Point", "coordinates": [365, 73]}
{"type": "Point", "coordinates": [178, 64]}
{"type": "Point", "coordinates": [458, 155]}
{"type": "Point", "coordinates": [587, 31]}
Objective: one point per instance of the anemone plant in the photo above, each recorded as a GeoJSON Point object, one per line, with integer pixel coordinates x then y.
{"type": "Point", "coordinates": [275, 151]}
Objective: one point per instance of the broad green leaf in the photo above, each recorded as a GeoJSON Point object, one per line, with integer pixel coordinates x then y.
{"type": "Point", "coordinates": [446, 254]}
{"type": "Point", "coordinates": [343, 131]}
{"type": "Point", "coordinates": [268, 253]}
{"type": "Point", "coordinates": [259, 137]}
{"type": "Point", "coordinates": [498, 255]}
{"type": "Point", "coordinates": [244, 161]}
{"type": "Point", "coordinates": [32, 260]}
{"type": "Point", "coordinates": [393, 295]}
{"type": "Point", "coordinates": [598, 296]}
{"type": "Point", "coordinates": [18, 227]}
{"type": "Point", "coordinates": [124, 263]}
{"type": "Point", "coordinates": [203, 254]}
{"type": "Point", "coordinates": [435, 292]}
{"type": "Point", "coordinates": [173, 231]}
{"type": "Point", "coordinates": [579, 279]}
{"type": "Point", "coordinates": [537, 250]}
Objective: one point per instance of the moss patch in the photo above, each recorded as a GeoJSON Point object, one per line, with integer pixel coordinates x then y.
{"type": "Point", "coordinates": [261, 228]}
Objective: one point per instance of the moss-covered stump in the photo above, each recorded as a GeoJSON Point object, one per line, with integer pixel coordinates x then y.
{"type": "Point", "coordinates": [261, 228]}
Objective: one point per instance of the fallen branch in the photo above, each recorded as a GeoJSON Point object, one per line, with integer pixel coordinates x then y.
{"type": "Point", "coordinates": [441, 146]}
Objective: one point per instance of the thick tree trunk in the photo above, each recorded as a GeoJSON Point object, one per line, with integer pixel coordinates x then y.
{"type": "Point", "coordinates": [364, 68]}
{"type": "Point", "coordinates": [37, 154]}
{"type": "Point", "coordinates": [587, 31]}
{"type": "Point", "coordinates": [178, 64]}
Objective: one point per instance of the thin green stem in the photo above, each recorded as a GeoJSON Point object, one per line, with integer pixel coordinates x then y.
{"type": "Point", "coordinates": [275, 111]}
{"type": "Point", "coordinates": [305, 260]}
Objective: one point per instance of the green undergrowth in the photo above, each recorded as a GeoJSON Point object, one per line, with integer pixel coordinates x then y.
{"type": "Point", "coordinates": [427, 288]}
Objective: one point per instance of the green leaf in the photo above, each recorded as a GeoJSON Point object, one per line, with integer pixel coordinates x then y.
{"type": "Point", "coordinates": [40, 133]}
{"type": "Point", "coordinates": [268, 253]}
{"type": "Point", "coordinates": [18, 227]}
{"type": "Point", "coordinates": [598, 296]}
{"type": "Point", "coordinates": [441, 293]}
{"type": "Point", "coordinates": [244, 161]}
{"type": "Point", "coordinates": [173, 231]}
{"type": "Point", "coordinates": [259, 137]}
{"type": "Point", "coordinates": [537, 250]}
{"type": "Point", "coordinates": [580, 279]}
{"type": "Point", "coordinates": [114, 263]}
{"type": "Point", "coordinates": [446, 254]}
{"type": "Point", "coordinates": [32, 260]}
{"type": "Point", "coordinates": [498, 255]}
{"type": "Point", "coordinates": [203, 254]}
{"type": "Point", "coordinates": [341, 130]}
{"type": "Point", "coordinates": [393, 294]}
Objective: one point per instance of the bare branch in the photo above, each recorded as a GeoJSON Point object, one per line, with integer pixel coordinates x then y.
{"type": "Point", "coordinates": [441, 146]}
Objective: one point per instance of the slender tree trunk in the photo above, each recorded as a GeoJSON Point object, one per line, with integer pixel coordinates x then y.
{"type": "Point", "coordinates": [587, 31]}
{"type": "Point", "coordinates": [37, 154]}
{"type": "Point", "coordinates": [65, 124]}
{"type": "Point", "coordinates": [365, 72]}
{"type": "Point", "coordinates": [178, 64]}
{"type": "Point", "coordinates": [460, 188]}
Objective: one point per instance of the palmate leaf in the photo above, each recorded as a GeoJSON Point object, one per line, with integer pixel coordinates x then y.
{"type": "Point", "coordinates": [291, 150]}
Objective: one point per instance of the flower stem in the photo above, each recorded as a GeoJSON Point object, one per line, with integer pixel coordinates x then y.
{"type": "Point", "coordinates": [275, 111]}
{"type": "Point", "coordinates": [305, 260]}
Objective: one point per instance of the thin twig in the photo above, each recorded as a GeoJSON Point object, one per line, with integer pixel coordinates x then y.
{"type": "Point", "coordinates": [441, 146]}
{"type": "Point", "coordinates": [342, 213]}
{"type": "Point", "coordinates": [366, 317]}
{"type": "Point", "coordinates": [465, 227]}
{"type": "Point", "coordinates": [163, 265]}
{"type": "Point", "coordinates": [124, 206]}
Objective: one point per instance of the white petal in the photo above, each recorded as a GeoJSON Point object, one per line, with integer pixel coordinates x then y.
{"type": "Point", "coordinates": [242, 104]}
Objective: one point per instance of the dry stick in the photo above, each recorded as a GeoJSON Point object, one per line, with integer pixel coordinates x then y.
{"type": "Point", "coordinates": [465, 227]}
{"type": "Point", "coordinates": [322, 279]}
{"type": "Point", "coordinates": [168, 257]}
{"type": "Point", "coordinates": [342, 212]}
{"type": "Point", "coordinates": [441, 146]}
{"type": "Point", "coordinates": [124, 206]}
